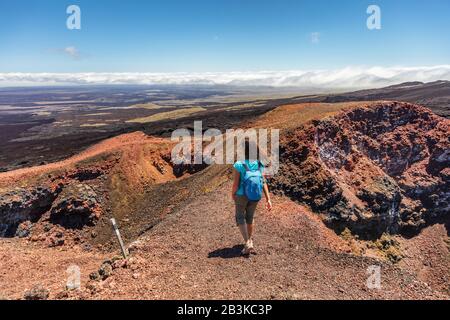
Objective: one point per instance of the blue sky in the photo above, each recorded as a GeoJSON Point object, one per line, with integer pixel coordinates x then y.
{"type": "Point", "coordinates": [220, 35]}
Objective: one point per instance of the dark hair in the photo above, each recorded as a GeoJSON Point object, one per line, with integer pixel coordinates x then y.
{"type": "Point", "coordinates": [248, 146]}
{"type": "Point", "coordinates": [260, 156]}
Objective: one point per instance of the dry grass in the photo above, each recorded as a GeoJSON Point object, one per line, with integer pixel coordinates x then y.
{"type": "Point", "coordinates": [292, 116]}
{"type": "Point", "coordinates": [93, 125]}
{"type": "Point", "coordinates": [352, 242]}
{"type": "Point", "coordinates": [176, 114]}
{"type": "Point", "coordinates": [42, 113]}
{"type": "Point", "coordinates": [389, 246]}
{"type": "Point", "coordinates": [149, 106]}
{"type": "Point", "coordinates": [245, 105]}
{"type": "Point", "coordinates": [96, 114]}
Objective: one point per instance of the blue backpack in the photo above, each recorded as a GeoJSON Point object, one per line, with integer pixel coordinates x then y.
{"type": "Point", "coordinates": [253, 183]}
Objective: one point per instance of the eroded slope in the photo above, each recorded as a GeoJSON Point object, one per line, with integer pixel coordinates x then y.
{"type": "Point", "coordinates": [71, 201]}
{"type": "Point", "coordinates": [381, 167]}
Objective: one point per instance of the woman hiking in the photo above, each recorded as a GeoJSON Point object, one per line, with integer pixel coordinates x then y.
{"type": "Point", "coordinates": [248, 187]}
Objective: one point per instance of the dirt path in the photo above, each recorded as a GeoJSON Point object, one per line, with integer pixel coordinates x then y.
{"type": "Point", "coordinates": [194, 254]}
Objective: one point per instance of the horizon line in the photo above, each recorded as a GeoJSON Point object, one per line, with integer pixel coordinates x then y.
{"type": "Point", "coordinates": [348, 77]}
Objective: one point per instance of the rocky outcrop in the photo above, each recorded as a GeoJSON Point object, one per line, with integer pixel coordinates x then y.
{"type": "Point", "coordinates": [75, 207]}
{"type": "Point", "coordinates": [21, 205]}
{"type": "Point", "coordinates": [71, 206]}
{"type": "Point", "coordinates": [373, 169]}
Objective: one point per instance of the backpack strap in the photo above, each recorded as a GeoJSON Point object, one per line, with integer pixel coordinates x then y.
{"type": "Point", "coordinates": [261, 169]}
{"type": "Point", "coordinates": [260, 166]}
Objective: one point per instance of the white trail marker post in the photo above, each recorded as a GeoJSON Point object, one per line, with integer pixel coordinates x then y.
{"type": "Point", "coordinates": [116, 230]}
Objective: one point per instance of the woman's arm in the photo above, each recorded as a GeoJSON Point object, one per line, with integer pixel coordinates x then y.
{"type": "Point", "coordinates": [267, 195]}
{"type": "Point", "coordinates": [236, 179]}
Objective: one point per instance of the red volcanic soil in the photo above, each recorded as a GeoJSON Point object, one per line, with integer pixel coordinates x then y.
{"type": "Point", "coordinates": [25, 265]}
{"type": "Point", "coordinates": [340, 163]}
{"type": "Point", "coordinates": [195, 254]}
{"type": "Point", "coordinates": [123, 143]}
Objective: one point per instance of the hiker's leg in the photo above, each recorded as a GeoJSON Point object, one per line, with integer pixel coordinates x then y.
{"type": "Point", "coordinates": [246, 250]}
{"type": "Point", "coordinates": [244, 232]}
{"type": "Point", "coordinates": [241, 204]}
{"type": "Point", "coordinates": [249, 217]}
{"type": "Point", "coordinates": [250, 230]}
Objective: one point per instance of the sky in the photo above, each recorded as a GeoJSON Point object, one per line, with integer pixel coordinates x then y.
{"type": "Point", "coordinates": [248, 37]}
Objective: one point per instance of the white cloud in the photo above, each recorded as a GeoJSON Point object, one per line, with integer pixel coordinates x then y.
{"type": "Point", "coordinates": [350, 77]}
{"type": "Point", "coordinates": [315, 37]}
{"type": "Point", "coordinates": [72, 52]}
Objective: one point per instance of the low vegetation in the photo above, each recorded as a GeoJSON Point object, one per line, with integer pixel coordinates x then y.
{"type": "Point", "coordinates": [176, 114]}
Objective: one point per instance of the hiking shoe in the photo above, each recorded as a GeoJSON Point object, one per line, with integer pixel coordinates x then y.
{"type": "Point", "coordinates": [251, 248]}
{"type": "Point", "coordinates": [246, 250]}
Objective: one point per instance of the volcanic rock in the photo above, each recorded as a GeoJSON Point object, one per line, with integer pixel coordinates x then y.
{"type": "Point", "coordinates": [24, 229]}
{"type": "Point", "coordinates": [38, 292]}
{"type": "Point", "coordinates": [19, 205]}
{"type": "Point", "coordinates": [105, 270]}
{"type": "Point", "coordinates": [75, 207]}
{"type": "Point", "coordinates": [374, 169]}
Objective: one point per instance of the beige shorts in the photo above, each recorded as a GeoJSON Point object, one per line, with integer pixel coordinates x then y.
{"type": "Point", "coordinates": [245, 210]}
